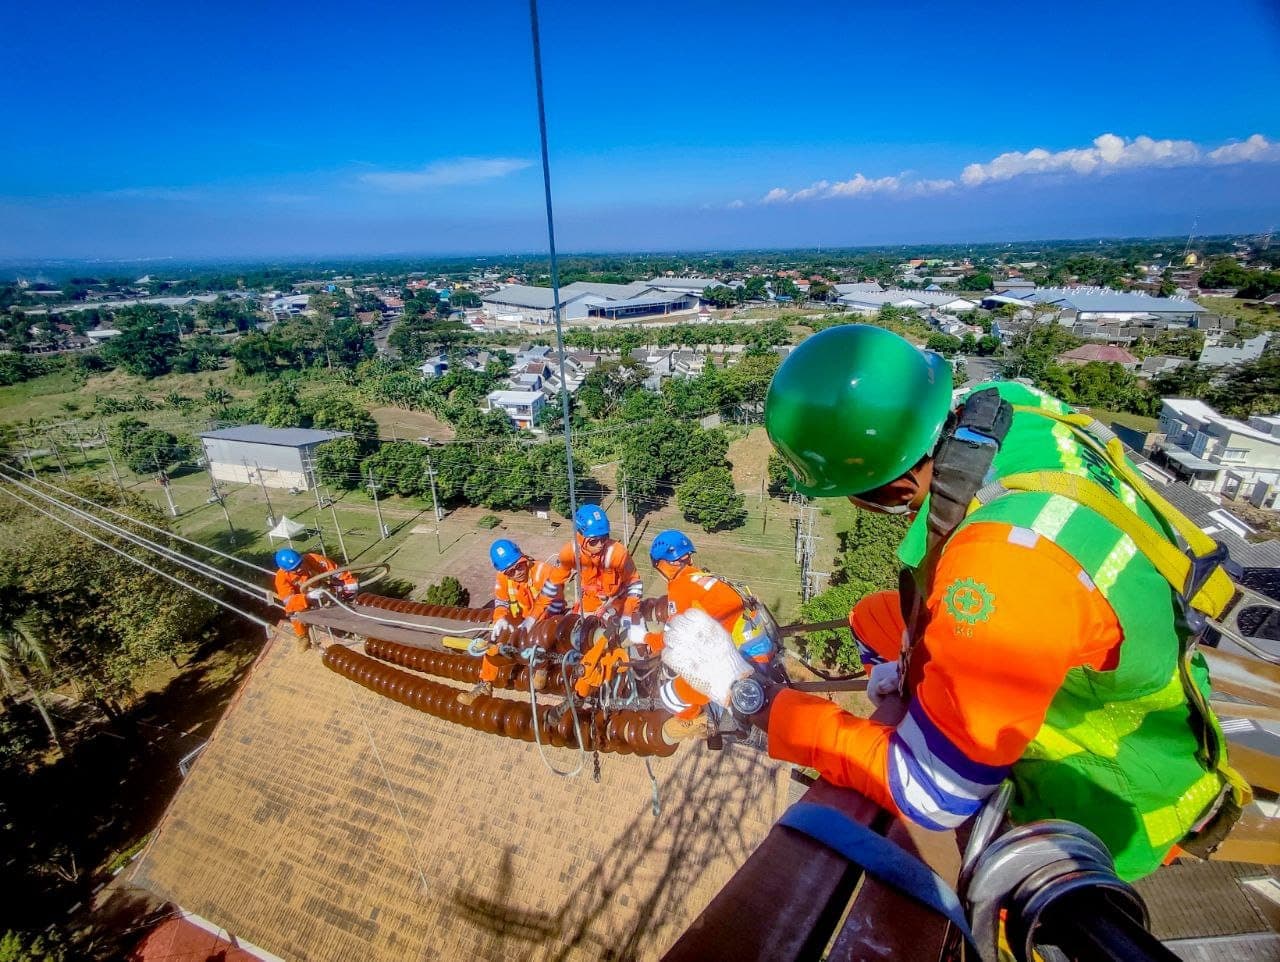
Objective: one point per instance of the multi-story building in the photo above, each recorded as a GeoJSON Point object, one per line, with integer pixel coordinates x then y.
{"type": "Point", "coordinates": [1218, 454]}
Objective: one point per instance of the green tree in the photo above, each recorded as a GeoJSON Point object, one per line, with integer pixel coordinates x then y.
{"type": "Point", "coordinates": [1224, 272]}
{"type": "Point", "coordinates": [217, 398]}
{"type": "Point", "coordinates": [1249, 388]}
{"type": "Point", "coordinates": [943, 344]}
{"type": "Point", "coordinates": [399, 467]}
{"type": "Point", "coordinates": [104, 620]}
{"type": "Point", "coordinates": [337, 462]}
{"type": "Point", "coordinates": [708, 498]}
{"type": "Point", "coordinates": [23, 655]}
{"type": "Point", "coordinates": [31, 947]}
{"type": "Point", "coordinates": [448, 591]}
{"type": "Point", "coordinates": [144, 449]}
{"type": "Point", "coordinates": [147, 342]}
{"type": "Point", "coordinates": [779, 476]}
{"type": "Point", "coordinates": [835, 648]}
{"type": "Point", "coordinates": [980, 281]}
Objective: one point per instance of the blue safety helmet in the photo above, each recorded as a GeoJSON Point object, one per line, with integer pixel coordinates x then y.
{"type": "Point", "coordinates": [591, 522]}
{"type": "Point", "coordinates": [288, 559]}
{"type": "Point", "coordinates": [504, 553]}
{"type": "Point", "coordinates": [670, 545]}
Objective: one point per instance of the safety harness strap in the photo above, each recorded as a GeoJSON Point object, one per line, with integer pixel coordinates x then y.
{"type": "Point", "coordinates": [878, 857]}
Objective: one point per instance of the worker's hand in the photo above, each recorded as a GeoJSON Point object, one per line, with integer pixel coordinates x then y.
{"type": "Point", "coordinates": [316, 594]}
{"type": "Point", "coordinates": [499, 629]}
{"type": "Point", "coordinates": [699, 650]}
{"type": "Point", "coordinates": [527, 624]}
{"type": "Point", "coordinates": [350, 591]}
{"type": "Point", "coordinates": [635, 634]}
{"type": "Point", "coordinates": [883, 681]}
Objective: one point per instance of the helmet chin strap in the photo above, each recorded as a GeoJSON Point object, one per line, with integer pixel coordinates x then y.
{"type": "Point", "coordinates": [898, 509]}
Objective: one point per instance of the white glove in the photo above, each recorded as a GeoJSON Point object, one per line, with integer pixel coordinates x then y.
{"type": "Point", "coordinates": [635, 634]}
{"type": "Point", "coordinates": [498, 630]}
{"type": "Point", "coordinates": [527, 623]}
{"type": "Point", "coordinates": [882, 682]}
{"type": "Point", "coordinates": [316, 594]}
{"type": "Point", "coordinates": [699, 650]}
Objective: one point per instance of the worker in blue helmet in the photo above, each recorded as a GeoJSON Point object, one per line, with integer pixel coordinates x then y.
{"type": "Point", "coordinates": [524, 592]}
{"type": "Point", "coordinates": [294, 569]}
{"type": "Point", "coordinates": [733, 606]}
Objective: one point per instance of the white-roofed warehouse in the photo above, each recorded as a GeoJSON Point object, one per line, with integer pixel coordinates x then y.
{"type": "Point", "coordinates": [276, 457]}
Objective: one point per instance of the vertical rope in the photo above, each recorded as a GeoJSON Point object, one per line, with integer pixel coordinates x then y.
{"type": "Point", "coordinates": [555, 279]}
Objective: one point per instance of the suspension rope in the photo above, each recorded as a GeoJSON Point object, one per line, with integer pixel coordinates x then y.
{"type": "Point", "coordinates": [138, 561]}
{"type": "Point", "coordinates": [555, 280]}
{"type": "Point", "coordinates": [577, 728]}
{"type": "Point", "coordinates": [217, 575]}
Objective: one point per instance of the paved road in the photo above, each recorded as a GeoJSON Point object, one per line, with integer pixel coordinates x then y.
{"type": "Point", "coordinates": [979, 369]}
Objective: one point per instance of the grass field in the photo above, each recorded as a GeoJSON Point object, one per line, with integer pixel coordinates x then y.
{"type": "Point", "coordinates": [1138, 422]}
{"type": "Point", "coordinates": [1267, 318]}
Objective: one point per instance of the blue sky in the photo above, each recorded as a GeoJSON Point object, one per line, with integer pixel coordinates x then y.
{"type": "Point", "coordinates": [144, 129]}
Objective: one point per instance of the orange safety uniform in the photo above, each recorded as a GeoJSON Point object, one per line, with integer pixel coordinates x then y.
{"type": "Point", "coordinates": [1008, 616]}
{"type": "Point", "coordinates": [694, 588]}
{"type": "Point", "coordinates": [540, 595]}
{"type": "Point", "coordinates": [289, 585]}
{"type": "Point", "coordinates": [608, 576]}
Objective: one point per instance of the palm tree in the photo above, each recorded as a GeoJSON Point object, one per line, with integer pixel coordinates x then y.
{"type": "Point", "coordinates": [21, 649]}
{"type": "Point", "coordinates": [218, 397]}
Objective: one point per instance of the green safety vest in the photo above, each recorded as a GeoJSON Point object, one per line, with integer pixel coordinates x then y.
{"type": "Point", "coordinates": [1133, 754]}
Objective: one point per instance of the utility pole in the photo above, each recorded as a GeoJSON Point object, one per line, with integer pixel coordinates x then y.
{"type": "Point", "coordinates": [56, 453]}
{"type": "Point", "coordinates": [84, 458]}
{"type": "Point", "coordinates": [333, 512]}
{"type": "Point", "coordinates": [373, 486]}
{"type": "Point", "coordinates": [435, 501]}
{"type": "Point", "coordinates": [320, 532]}
{"type": "Point", "coordinates": [163, 478]}
{"type": "Point", "coordinates": [26, 451]}
{"type": "Point", "coordinates": [111, 458]}
{"type": "Point", "coordinates": [262, 482]}
{"type": "Point", "coordinates": [217, 496]}
{"type": "Point", "coordinates": [626, 512]}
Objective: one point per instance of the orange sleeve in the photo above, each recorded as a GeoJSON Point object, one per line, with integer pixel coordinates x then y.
{"type": "Point", "coordinates": [1010, 613]}
{"type": "Point", "coordinates": [629, 584]}
{"type": "Point", "coordinates": [285, 585]}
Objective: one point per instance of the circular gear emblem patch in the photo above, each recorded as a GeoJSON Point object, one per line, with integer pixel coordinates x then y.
{"type": "Point", "coordinates": [969, 601]}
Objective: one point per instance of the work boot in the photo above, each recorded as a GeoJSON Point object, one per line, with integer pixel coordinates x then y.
{"type": "Point", "coordinates": [676, 730]}
{"type": "Point", "coordinates": [481, 688]}
{"type": "Point", "coordinates": [539, 679]}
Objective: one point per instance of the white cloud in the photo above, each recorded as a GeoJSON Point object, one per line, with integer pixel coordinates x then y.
{"type": "Point", "coordinates": [446, 173]}
{"type": "Point", "coordinates": [1256, 149]}
{"type": "Point", "coordinates": [735, 204]}
{"type": "Point", "coordinates": [1108, 153]}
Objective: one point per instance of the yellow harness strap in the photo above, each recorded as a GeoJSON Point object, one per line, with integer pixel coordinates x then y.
{"type": "Point", "coordinates": [1213, 594]}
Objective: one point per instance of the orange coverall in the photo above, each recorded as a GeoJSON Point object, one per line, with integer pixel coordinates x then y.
{"type": "Point", "coordinates": [694, 588]}
{"type": "Point", "coordinates": [992, 657]}
{"type": "Point", "coordinates": [288, 585]}
{"type": "Point", "coordinates": [609, 576]}
{"type": "Point", "coordinates": [539, 596]}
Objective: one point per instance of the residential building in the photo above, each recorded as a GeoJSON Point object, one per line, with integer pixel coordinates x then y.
{"type": "Point", "coordinates": [1218, 454]}
{"type": "Point", "coordinates": [291, 305]}
{"type": "Point", "coordinates": [1159, 364]}
{"type": "Point", "coordinates": [434, 366]}
{"type": "Point", "coordinates": [1101, 353]}
{"type": "Point", "coordinates": [256, 454]}
{"type": "Point", "coordinates": [522, 407]}
{"type": "Point", "coordinates": [859, 287]}
{"type": "Point", "coordinates": [1218, 356]}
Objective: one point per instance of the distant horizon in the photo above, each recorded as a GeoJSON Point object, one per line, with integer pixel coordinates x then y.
{"type": "Point", "coordinates": [11, 264]}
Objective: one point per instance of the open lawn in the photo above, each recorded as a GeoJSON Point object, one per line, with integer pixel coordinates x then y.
{"type": "Point", "coordinates": [398, 423]}
{"type": "Point", "coordinates": [1139, 422]}
{"type": "Point", "coordinates": [1260, 315]}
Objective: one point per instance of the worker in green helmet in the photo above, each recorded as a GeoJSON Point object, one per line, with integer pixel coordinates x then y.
{"type": "Point", "coordinates": [1038, 634]}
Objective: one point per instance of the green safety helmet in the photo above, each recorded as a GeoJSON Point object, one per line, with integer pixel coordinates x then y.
{"type": "Point", "coordinates": [855, 407]}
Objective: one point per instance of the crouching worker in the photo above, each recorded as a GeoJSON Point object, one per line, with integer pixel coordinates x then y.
{"type": "Point", "coordinates": [295, 569]}
{"type": "Point", "coordinates": [524, 593]}
{"type": "Point", "coordinates": [690, 587]}
{"type": "Point", "coordinates": [610, 591]}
